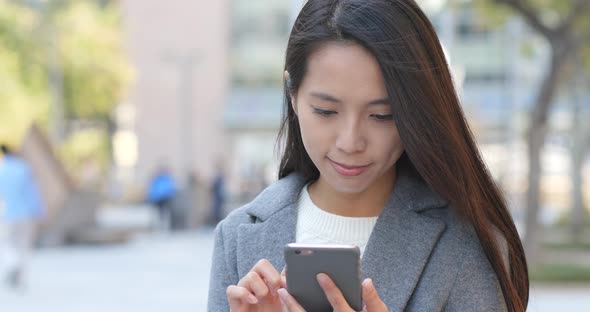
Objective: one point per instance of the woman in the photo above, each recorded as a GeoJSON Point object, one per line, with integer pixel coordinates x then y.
{"type": "Point", "coordinates": [377, 153]}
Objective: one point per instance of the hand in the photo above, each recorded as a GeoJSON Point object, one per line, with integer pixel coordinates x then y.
{"type": "Point", "coordinates": [257, 291]}
{"type": "Point", "coordinates": [370, 296]}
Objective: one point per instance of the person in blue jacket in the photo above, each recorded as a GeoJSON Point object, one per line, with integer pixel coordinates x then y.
{"type": "Point", "coordinates": [161, 192]}
{"type": "Point", "coordinates": [21, 208]}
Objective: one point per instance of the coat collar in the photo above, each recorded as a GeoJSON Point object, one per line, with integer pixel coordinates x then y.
{"type": "Point", "coordinates": [398, 248]}
{"type": "Point", "coordinates": [410, 192]}
{"type": "Point", "coordinates": [274, 215]}
{"type": "Point", "coordinates": [277, 197]}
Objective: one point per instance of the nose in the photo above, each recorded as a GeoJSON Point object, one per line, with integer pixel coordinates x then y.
{"type": "Point", "coordinates": [351, 138]}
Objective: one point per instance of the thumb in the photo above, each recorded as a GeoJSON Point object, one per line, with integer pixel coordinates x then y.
{"type": "Point", "coordinates": [371, 298]}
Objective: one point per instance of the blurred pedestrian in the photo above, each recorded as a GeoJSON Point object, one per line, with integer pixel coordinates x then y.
{"type": "Point", "coordinates": [218, 194]}
{"type": "Point", "coordinates": [199, 198]}
{"type": "Point", "coordinates": [21, 209]}
{"type": "Point", "coordinates": [161, 192]}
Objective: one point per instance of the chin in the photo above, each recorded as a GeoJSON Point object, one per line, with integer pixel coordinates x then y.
{"type": "Point", "coordinates": [348, 186]}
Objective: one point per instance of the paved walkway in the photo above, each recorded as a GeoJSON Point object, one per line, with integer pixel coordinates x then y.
{"type": "Point", "coordinates": [153, 273]}
{"type": "Point", "coordinates": [162, 273]}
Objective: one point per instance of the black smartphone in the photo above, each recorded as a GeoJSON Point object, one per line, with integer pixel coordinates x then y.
{"type": "Point", "coordinates": [340, 262]}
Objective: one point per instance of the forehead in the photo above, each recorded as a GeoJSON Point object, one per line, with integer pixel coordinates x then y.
{"type": "Point", "coordinates": [347, 70]}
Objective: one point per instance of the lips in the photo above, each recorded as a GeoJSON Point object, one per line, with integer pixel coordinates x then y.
{"type": "Point", "coordinates": [348, 170]}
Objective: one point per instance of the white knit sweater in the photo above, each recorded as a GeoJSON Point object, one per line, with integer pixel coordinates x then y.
{"type": "Point", "coordinates": [317, 226]}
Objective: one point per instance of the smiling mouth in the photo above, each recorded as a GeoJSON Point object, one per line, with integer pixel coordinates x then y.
{"type": "Point", "coordinates": [348, 166]}
{"type": "Point", "coordinates": [347, 170]}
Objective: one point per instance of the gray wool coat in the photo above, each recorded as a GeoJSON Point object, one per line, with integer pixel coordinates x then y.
{"type": "Point", "coordinates": [420, 256]}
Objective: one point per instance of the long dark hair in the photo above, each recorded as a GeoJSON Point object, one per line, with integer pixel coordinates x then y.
{"type": "Point", "coordinates": [439, 146]}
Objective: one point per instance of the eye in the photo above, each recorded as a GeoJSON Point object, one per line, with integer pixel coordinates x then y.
{"type": "Point", "coordinates": [323, 112]}
{"type": "Point", "coordinates": [382, 117]}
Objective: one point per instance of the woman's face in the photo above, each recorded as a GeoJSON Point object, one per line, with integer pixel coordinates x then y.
{"type": "Point", "coordinates": [346, 119]}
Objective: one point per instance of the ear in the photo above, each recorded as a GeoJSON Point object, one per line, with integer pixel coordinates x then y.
{"type": "Point", "coordinates": [288, 83]}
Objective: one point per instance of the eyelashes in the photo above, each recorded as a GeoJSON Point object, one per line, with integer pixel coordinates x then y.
{"type": "Point", "coordinates": [323, 112]}
{"type": "Point", "coordinates": [383, 117]}
{"type": "Point", "coordinates": [329, 113]}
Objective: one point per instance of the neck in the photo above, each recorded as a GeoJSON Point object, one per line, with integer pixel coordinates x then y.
{"type": "Point", "coordinates": [368, 203]}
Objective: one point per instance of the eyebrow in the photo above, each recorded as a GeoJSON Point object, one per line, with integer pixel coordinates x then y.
{"type": "Point", "coordinates": [329, 98]}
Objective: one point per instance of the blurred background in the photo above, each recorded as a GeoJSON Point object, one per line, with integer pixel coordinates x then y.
{"type": "Point", "coordinates": [144, 122]}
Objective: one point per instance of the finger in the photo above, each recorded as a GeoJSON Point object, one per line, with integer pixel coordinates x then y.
{"type": "Point", "coordinates": [289, 302]}
{"type": "Point", "coordinates": [270, 275]}
{"type": "Point", "coordinates": [284, 277]}
{"type": "Point", "coordinates": [371, 297]}
{"type": "Point", "coordinates": [333, 294]}
{"type": "Point", "coordinates": [254, 283]}
{"type": "Point", "coordinates": [238, 296]}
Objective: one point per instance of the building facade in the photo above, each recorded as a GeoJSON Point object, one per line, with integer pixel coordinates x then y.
{"type": "Point", "coordinates": [180, 51]}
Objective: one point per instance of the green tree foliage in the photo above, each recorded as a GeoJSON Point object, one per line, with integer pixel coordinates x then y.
{"type": "Point", "coordinates": [91, 60]}
{"type": "Point", "coordinates": [95, 71]}
{"type": "Point", "coordinates": [549, 18]}
{"type": "Point", "coordinates": [23, 80]}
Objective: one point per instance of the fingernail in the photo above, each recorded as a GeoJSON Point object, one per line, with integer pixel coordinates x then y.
{"type": "Point", "coordinates": [321, 279]}
{"type": "Point", "coordinates": [252, 299]}
{"type": "Point", "coordinates": [283, 295]}
{"type": "Point", "coordinates": [368, 282]}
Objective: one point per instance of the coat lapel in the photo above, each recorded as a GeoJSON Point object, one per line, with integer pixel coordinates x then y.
{"type": "Point", "coordinates": [274, 216]}
{"type": "Point", "coordinates": [266, 240]}
{"type": "Point", "coordinates": [402, 241]}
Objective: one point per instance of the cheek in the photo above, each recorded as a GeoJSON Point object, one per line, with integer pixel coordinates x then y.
{"type": "Point", "coordinates": [311, 135]}
{"type": "Point", "coordinates": [391, 146]}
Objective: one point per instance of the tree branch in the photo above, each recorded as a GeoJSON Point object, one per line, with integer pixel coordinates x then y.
{"type": "Point", "coordinates": [531, 16]}
{"type": "Point", "coordinates": [579, 8]}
